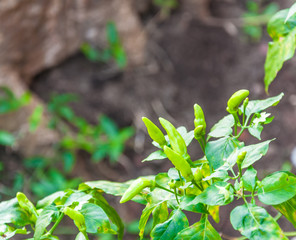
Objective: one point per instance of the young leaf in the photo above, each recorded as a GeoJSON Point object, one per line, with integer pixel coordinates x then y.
{"type": "Point", "coordinates": [217, 151]}
{"type": "Point", "coordinates": [223, 127]}
{"type": "Point", "coordinates": [157, 155]}
{"type": "Point", "coordinates": [277, 188]}
{"type": "Point", "coordinates": [288, 209]}
{"type": "Point", "coordinates": [216, 194]}
{"type": "Point", "coordinates": [257, 106]}
{"type": "Point", "coordinates": [249, 179]}
{"type": "Point", "coordinates": [80, 236]}
{"type": "Point", "coordinates": [291, 12]}
{"type": "Point", "coordinates": [202, 230]}
{"type": "Point", "coordinates": [255, 223]}
{"type": "Point", "coordinates": [170, 228]}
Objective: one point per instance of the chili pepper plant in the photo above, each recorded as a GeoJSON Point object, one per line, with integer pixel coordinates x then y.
{"type": "Point", "coordinates": [202, 185]}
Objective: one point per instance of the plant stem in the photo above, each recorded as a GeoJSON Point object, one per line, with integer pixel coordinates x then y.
{"type": "Point", "coordinates": [163, 188]}
{"type": "Point", "coordinates": [290, 234]}
{"type": "Point", "coordinates": [175, 192]}
{"type": "Point", "coordinates": [50, 232]}
{"type": "Point", "coordinates": [278, 216]}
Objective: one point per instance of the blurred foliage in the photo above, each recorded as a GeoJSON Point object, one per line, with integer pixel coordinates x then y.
{"type": "Point", "coordinates": [105, 140]}
{"type": "Point", "coordinates": [114, 50]}
{"type": "Point", "coordinates": [166, 6]}
{"type": "Point", "coordinates": [257, 16]}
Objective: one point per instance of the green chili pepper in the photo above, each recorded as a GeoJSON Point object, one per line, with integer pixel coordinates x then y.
{"type": "Point", "coordinates": [236, 99]}
{"type": "Point", "coordinates": [176, 140]}
{"type": "Point", "coordinates": [199, 118]}
{"type": "Point", "coordinates": [27, 205]}
{"type": "Point", "coordinates": [77, 217]}
{"type": "Point", "coordinates": [199, 132]}
{"type": "Point", "coordinates": [135, 188]}
{"type": "Point", "coordinates": [180, 163]}
{"type": "Point", "coordinates": [154, 132]}
{"type": "Point", "coordinates": [240, 158]}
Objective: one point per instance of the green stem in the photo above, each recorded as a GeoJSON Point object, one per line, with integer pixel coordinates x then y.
{"type": "Point", "coordinates": [290, 234]}
{"type": "Point", "coordinates": [197, 185]}
{"type": "Point", "coordinates": [278, 216]}
{"type": "Point", "coordinates": [175, 192]}
{"type": "Point", "coordinates": [50, 232]}
{"type": "Point", "coordinates": [163, 188]}
{"type": "Point", "coordinates": [200, 141]}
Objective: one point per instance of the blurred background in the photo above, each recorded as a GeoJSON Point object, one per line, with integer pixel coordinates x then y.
{"type": "Point", "coordinates": [76, 77]}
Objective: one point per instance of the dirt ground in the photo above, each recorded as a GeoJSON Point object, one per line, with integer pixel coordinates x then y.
{"type": "Point", "coordinates": [188, 61]}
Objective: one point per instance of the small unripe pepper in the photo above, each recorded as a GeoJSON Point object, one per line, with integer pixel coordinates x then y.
{"type": "Point", "coordinates": [180, 163]}
{"type": "Point", "coordinates": [199, 118]}
{"type": "Point", "coordinates": [154, 132]}
{"type": "Point", "coordinates": [236, 99]}
{"type": "Point", "coordinates": [27, 205]}
{"type": "Point", "coordinates": [199, 132]}
{"type": "Point", "coordinates": [176, 140]}
{"type": "Point", "coordinates": [135, 188]}
{"type": "Point", "coordinates": [240, 158]}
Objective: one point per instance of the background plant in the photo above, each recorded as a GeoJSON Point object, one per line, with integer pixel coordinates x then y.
{"type": "Point", "coordinates": [104, 140]}
{"type": "Point", "coordinates": [114, 50]}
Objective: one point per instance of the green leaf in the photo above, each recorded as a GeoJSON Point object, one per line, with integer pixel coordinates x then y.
{"type": "Point", "coordinates": [216, 194]}
{"type": "Point", "coordinates": [217, 151]}
{"type": "Point", "coordinates": [44, 219]}
{"type": "Point", "coordinates": [190, 203]}
{"type": "Point", "coordinates": [9, 231]}
{"type": "Point", "coordinates": [288, 209]}
{"type": "Point", "coordinates": [255, 130]}
{"type": "Point", "coordinates": [80, 236]}
{"type": "Point", "coordinates": [6, 138]}
{"type": "Point", "coordinates": [254, 153]}
{"type": "Point", "coordinates": [11, 212]}
{"type": "Point", "coordinates": [255, 223]}
{"type": "Point", "coordinates": [160, 213]}
{"type": "Point", "coordinates": [223, 127]}
{"type": "Point", "coordinates": [111, 213]}
{"type": "Point", "coordinates": [77, 198]}
{"type": "Point", "coordinates": [35, 118]}
{"type": "Point", "coordinates": [187, 136]}
{"type": "Point", "coordinates": [291, 12]}
{"type": "Point", "coordinates": [144, 218]}
{"type": "Point", "coordinates": [202, 230]}
{"type": "Point", "coordinates": [249, 179]}
{"type": "Point", "coordinates": [162, 179]}
{"type": "Point", "coordinates": [257, 106]}
{"type": "Point", "coordinates": [282, 29]}
{"type": "Point", "coordinates": [49, 199]}
{"type": "Point", "coordinates": [77, 217]}
{"type": "Point", "coordinates": [170, 228]}
{"type": "Point", "coordinates": [277, 188]}
{"type": "Point", "coordinates": [157, 155]}
{"type": "Point", "coordinates": [96, 220]}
